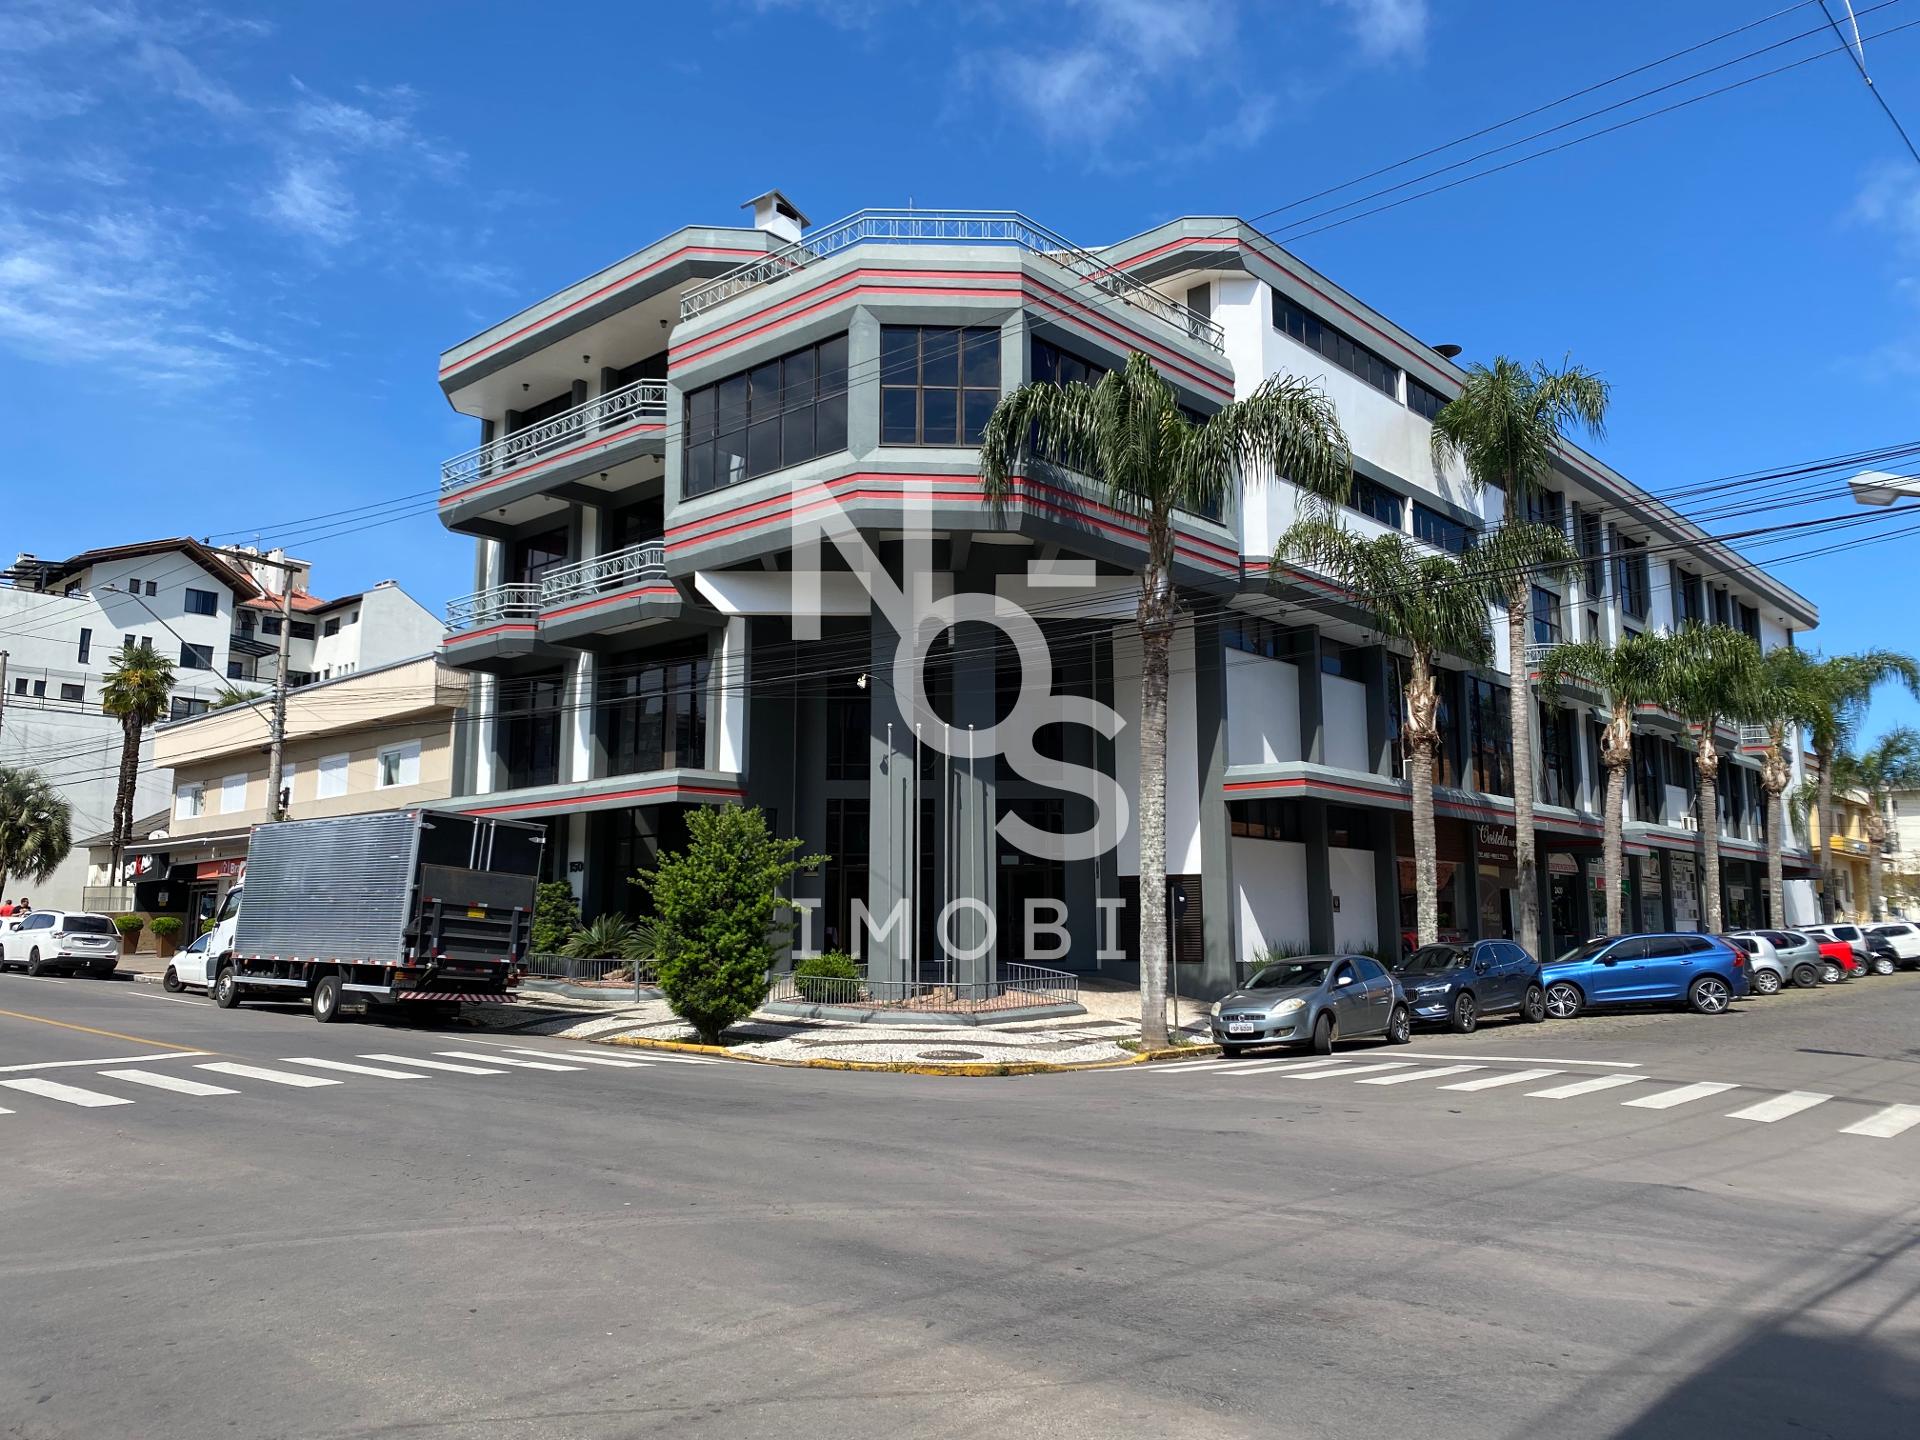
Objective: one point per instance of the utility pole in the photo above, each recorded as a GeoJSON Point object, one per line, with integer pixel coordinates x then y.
{"type": "Point", "coordinates": [277, 723]}
{"type": "Point", "coordinates": [3, 684]}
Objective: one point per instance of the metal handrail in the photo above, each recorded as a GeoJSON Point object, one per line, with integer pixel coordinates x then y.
{"type": "Point", "coordinates": [1759, 735]}
{"type": "Point", "coordinates": [640, 400]}
{"type": "Point", "coordinates": [605, 572]}
{"type": "Point", "coordinates": [997, 227]}
{"type": "Point", "coordinates": [489, 607]}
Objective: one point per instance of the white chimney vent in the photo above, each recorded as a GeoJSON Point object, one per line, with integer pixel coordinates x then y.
{"type": "Point", "coordinates": [777, 215]}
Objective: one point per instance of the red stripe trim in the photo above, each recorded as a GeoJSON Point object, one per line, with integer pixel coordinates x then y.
{"type": "Point", "coordinates": [536, 466]}
{"type": "Point", "coordinates": [602, 292]}
{"type": "Point", "coordinates": [643, 793]}
{"type": "Point", "coordinates": [464, 636]}
{"type": "Point", "coordinates": [699, 345]}
{"type": "Point", "coordinates": [636, 593]}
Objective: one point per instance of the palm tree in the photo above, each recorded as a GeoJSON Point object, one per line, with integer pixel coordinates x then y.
{"type": "Point", "coordinates": [137, 690]}
{"type": "Point", "coordinates": [1782, 699]}
{"type": "Point", "coordinates": [1707, 673]}
{"type": "Point", "coordinates": [1127, 434]}
{"type": "Point", "coordinates": [1431, 604]}
{"type": "Point", "coordinates": [1508, 425]}
{"type": "Point", "coordinates": [1627, 674]}
{"type": "Point", "coordinates": [233, 695]}
{"type": "Point", "coordinates": [1831, 694]}
{"type": "Point", "coordinates": [36, 826]}
{"type": "Point", "coordinates": [1891, 763]}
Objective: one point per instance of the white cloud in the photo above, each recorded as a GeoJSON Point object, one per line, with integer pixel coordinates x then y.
{"type": "Point", "coordinates": [172, 73]}
{"type": "Point", "coordinates": [1889, 201]}
{"type": "Point", "coordinates": [309, 199]}
{"type": "Point", "coordinates": [1387, 29]}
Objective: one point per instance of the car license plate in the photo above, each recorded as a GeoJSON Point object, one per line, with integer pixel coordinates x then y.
{"type": "Point", "coordinates": [476, 914]}
{"type": "Point", "coordinates": [1239, 1027]}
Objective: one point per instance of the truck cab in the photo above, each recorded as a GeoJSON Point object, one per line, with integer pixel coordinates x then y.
{"type": "Point", "coordinates": [199, 967]}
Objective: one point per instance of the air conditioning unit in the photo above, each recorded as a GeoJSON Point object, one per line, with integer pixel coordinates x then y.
{"type": "Point", "coordinates": [1690, 822]}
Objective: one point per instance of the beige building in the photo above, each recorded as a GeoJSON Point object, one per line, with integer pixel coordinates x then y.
{"type": "Point", "coordinates": [372, 740]}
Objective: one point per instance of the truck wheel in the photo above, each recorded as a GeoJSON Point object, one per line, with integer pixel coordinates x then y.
{"type": "Point", "coordinates": [226, 990]}
{"type": "Point", "coordinates": [170, 982]}
{"type": "Point", "coordinates": [326, 999]}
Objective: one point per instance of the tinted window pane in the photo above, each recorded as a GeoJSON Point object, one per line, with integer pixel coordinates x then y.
{"type": "Point", "coordinates": [700, 411]}
{"type": "Point", "coordinates": [981, 358]}
{"type": "Point", "coordinates": [899, 416]}
{"type": "Point", "coordinates": [830, 424]}
{"type": "Point", "coordinates": [833, 364]}
{"type": "Point", "coordinates": [899, 355]}
{"type": "Point", "coordinates": [764, 418]}
{"type": "Point", "coordinates": [730, 458]}
{"type": "Point", "coordinates": [940, 411]}
{"type": "Point", "coordinates": [699, 460]}
{"type": "Point", "coordinates": [797, 378]}
{"type": "Point", "coordinates": [763, 447]}
{"type": "Point", "coordinates": [939, 357]}
{"type": "Point", "coordinates": [765, 380]}
{"type": "Point", "coordinates": [731, 403]}
{"type": "Point", "coordinates": [796, 436]}
{"type": "Point", "coordinates": [980, 405]}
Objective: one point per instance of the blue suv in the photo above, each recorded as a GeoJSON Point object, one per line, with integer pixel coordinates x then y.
{"type": "Point", "coordinates": [1455, 985]}
{"type": "Point", "coordinates": [1702, 970]}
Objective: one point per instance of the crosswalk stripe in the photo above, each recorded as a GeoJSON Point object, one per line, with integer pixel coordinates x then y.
{"type": "Point", "coordinates": [178, 1084]}
{"type": "Point", "coordinates": [275, 1077]}
{"type": "Point", "coordinates": [1683, 1095]}
{"type": "Point", "coordinates": [66, 1094]}
{"type": "Point", "coordinates": [378, 1072]}
{"type": "Point", "coordinates": [1280, 1062]}
{"type": "Point", "coordinates": [5, 1111]}
{"type": "Point", "coordinates": [435, 1064]}
{"type": "Point", "coordinates": [1887, 1123]}
{"type": "Point", "coordinates": [592, 1059]}
{"type": "Point", "coordinates": [1346, 1070]}
{"type": "Point", "coordinates": [1185, 1067]}
{"type": "Point", "coordinates": [1780, 1106]}
{"type": "Point", "coordinates": [1583, 1087]}
{"type": "Point", "coordinates": [1421, 1075]}
{"type": "Point", "coordinates": [660, 1057]}
{"type": "Point", "coordinates": [1493, 1082]}
{"type": "Point", "coordinates": [504, 1060]}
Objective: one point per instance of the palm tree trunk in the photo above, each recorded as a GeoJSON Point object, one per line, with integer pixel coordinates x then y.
{"type": "Point", "coordinates": [1613, 862]}
{"type": "Point", "coordinates": [1773, 784]}
{"type": "Point", "coordinates": [1156, 635]}
{"type": "Point", "coordinates": [1825, 761]}
{"type": "Point", "coordinates": [1707, 763]}
{"type": "Point", "coordinates": [123, 796]}
{"type": "Point", "coordinates": [1876, 839]}
{"type": "Point", "coordinates": [1520, 699]}
{"type": "Point", "coordinates": [1422, 737]}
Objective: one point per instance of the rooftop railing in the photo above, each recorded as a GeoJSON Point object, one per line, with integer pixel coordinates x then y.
{"type": "Point", "coordinates": [492, 607]}
{"type": "Point", "coordinates": [981, 227]}
{"type": "Point", "coordinates": [641, 400]}
{"type": "Point", "coordinates": [612, 571]}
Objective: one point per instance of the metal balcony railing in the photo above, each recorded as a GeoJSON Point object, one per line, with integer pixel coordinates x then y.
{"type": "Point", "coordinates": [984, 227]}
{"type": "Point", "coordinates": [491, 607]}
{"type": "Point", "coordinates": [1537, 653]}
{"type": "Point", "coordinates": [612, 571]}
{"type": "Point", "coordinates": [1757, 737]}
{"type": "Point", "coordinates": [642, 400]}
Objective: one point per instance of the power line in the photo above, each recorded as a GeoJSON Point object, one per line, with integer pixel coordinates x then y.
{"type": "Point", "coordinates": [1857, 53]}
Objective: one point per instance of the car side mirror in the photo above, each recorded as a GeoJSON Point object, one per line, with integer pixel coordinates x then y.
{"type": "Point", "coordinates": [1481, 967]}
{"type": "Point", "coordinates": [1344, 980]}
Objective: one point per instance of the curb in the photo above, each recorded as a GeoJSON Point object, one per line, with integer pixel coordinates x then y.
{"type": "Point", "coordinates": [969, 1070]}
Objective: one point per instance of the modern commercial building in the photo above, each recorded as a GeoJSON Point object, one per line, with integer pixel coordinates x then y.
{"type": "Point", "coordinates": [661, 443]}
{"type": "Point", "coordinates": [373, 739]}
{"type": "Point", "coordinates": [215, 616]}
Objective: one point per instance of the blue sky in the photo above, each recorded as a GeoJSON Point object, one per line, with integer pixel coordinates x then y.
{"type": "Point", "coordinates": [233, 241]}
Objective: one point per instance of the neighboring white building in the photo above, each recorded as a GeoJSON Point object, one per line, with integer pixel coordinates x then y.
{"type": "Point", "coordinates": [61, 621]}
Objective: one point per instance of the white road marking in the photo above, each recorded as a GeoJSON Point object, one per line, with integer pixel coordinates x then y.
{"type": "Point", "coordinates": [1492, 1082]}
{"type": "Point", "coordinates": [49, 980]}
{"type": "Point", "coordinates": [1345, 1070]}
{"type": "Point", "coordinates": [174, 999]}
{"type": "Point", "coordinates": [66, 1094]}
{"type": "Point", "coordinates": [1780, 1106]}
{"type": "Point", "coordinates": [1421, 1075]}
{"type": "Point", "coordinates": [503, 1060]}
{"type": "Point", "coordinates": [1584, 1087]}
{"type": "Point", "coordinates": [255, 1072]}
{"type": "Point", "coordinates": [1887, 1123]}
{"type": "Point", "coordinates": [5, 1111]}
{"type": "Point", "coordinates": [1522, 1059]}
{"type": "Point", "coordinates": [1289, 1062]}
{"type": "Point", "coordinates": [178, 1084]}
{"type": "Point", "coordinates": [435, 1065]}
{"type": "Point", "coordinates": [1187, 1067]}
{"type": "Point", "coordinates": [103, 1060]}
{"type": "Point", "coordinates": [660, 1057]}
{"type": "Point", "coordinates": [590, 1059]}
{"type": "Point", "coordinates": [1684, 1095]}
{"type": "Point", "coordinates": [373, 1070]}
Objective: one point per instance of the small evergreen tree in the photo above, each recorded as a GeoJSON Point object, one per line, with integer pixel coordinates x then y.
{"type": "Point", "coordinates": [556, 917]}
{"type": "Point", "coordinates": [715, 905]}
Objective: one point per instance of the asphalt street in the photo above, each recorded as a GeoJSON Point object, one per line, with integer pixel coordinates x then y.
{"type": "Point", "coordinates": [247, 1224]}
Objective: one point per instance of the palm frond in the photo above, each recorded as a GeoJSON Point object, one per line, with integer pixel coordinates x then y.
{"type": "Point", "coordinates": [1411, 594]}
{"type": "Point", "coordinates": [1509, 423]}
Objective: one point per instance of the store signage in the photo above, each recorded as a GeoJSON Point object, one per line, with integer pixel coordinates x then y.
{"type": "Point", "coordinates": [1495, 844]}
{"type": "Point", "coordinates": [217, 869]}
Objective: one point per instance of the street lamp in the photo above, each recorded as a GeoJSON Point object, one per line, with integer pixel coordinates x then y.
{"type": "Point", "coordinates": [1877, 487]}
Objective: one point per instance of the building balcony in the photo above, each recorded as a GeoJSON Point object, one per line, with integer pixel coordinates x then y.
{"type": "Point", "coordinates": [545, 458]}
{"type": "Point", "coordinates": [608, 594]}
{"type": "Point", "coordinates": [494, 628]}
{"type": "Point", "coordinates": [1091, 274]}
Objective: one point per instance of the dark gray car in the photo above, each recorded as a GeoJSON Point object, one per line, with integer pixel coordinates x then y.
{"type": "Point", "coordinates": [1313, 1001]}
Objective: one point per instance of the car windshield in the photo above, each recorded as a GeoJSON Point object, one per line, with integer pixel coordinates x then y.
{"type": "Point", "coordinates": [1290, 973]}
{"type": "Point", "coordinates": [88, 925]}
{"type": "Point", "coordinates": [199, 943]}
{"type": "Point", "coordinates": [1429, 959]}
{"type": "Point", "coordinates": [1586, 951]}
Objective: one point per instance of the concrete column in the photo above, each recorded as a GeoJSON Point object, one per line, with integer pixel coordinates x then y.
{"type": "Point", "coordinates": [1466, 894]}
{"type": "Point", "coordinates": [1217, 900]}
{"type": "Point", "coordinates": [1319, 873]}
{"type": "Point", "coordinates": [1379, 710]}
{"type": "Point", "coordinates": [582, 708]}
{"type": "Point", "coordinates": [970, 829]}
{"type": "Point", "coordinates": [1386, 884]}
{"type": "Point", "coordinates": [576, 849]}
{"type": "Point", "coordinates": [888, 950]}
{"type": "Point", "coordinates": [727, 732]}
{"type": "Point", "coordinates": [579, 390]}
{"type": "Point", "coordinates": [1665, 861]}
{"type": "Point", "coordinates": [1306, 661]}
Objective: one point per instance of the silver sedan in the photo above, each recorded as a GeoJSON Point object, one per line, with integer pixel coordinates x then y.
{"type": "Point", "coordinates": [1313, 1001]}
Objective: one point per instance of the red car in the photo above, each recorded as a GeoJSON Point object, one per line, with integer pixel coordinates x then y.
{"type": "Point", "coordinates": [1837, 961]}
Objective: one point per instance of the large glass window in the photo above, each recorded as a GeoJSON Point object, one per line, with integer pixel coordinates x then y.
{"type": "Point", "coordinates": [1492, 743]}
{"type": "Point", "coordinates": [1341, 348]}
{"type": "Point", "coordinates": [779, 413]}
{"type": "Point", "coordinates": [938, 384]}
{"type": "Point", "coordinates": [1424, 399]}
{"type": "Point", "coordinates": [1630, 576]}
{"type": "Point", "coordinates": [1559, 779]}
{"type": "Point", "coordinates": [529, 729]}
{"type": "Point", "coordinates": [1375, 501]}
{"type": "Point", "coordinates": [849, 712]}
{"type": "Point", "coordinates": [1546, 617]}
{"type": "Point", "coordinates": [653, 713]}
{"type": "Point", "coordinates": [202, 602]}
{"type": "Point", "coordinates": [1439, 530]}
{"type": "Point", "coordinates": [1592, 549]}
{"type": "Point", "coordinates": [531, 559]}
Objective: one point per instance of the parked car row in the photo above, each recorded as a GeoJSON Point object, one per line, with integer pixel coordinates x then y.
{"type": "Point", "coordinates": [1314, 1001]}
{"type": "Point", "coordinates": [68, 940]}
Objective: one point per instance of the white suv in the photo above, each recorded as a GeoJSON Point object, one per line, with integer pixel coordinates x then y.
{"type": "Point", "coordinates": [1904, 937]}
{"type": "Point", "coordinates": [61, 940]}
